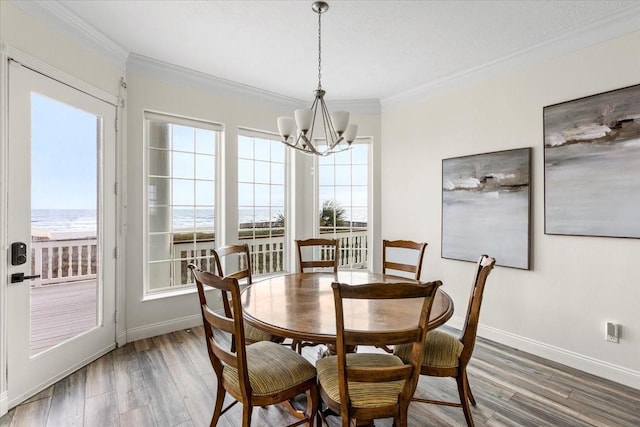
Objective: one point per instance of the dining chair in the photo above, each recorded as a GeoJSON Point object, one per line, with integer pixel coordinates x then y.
{"type": "Point", "coordinates": [259, 374]}
{"type": "Point", "coordinates": [448, 356]}
{"type": "Point", "coordinates": [391, 252]}
{"type": "Point", "coordinates": [416, 248]}
{"type": "Point", "coordinates": [366, 386]}
{"type": "Point", "coordinates": [241, 256]}
{"type": "Point", "coordinates": [327, 251]}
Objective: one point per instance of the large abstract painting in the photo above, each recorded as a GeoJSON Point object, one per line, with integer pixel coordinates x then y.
{"type": "Point", "coordinates": [592, 165]}
{"type": "Point", "coordinates": [486, 207]}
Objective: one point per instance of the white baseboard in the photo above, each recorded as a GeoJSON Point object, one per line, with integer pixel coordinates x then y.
{"type": "Point", "coordinates": [584, 363]}
{"type": "Point", "coordinates": [121, 338]}
{"type": "Point", "coordinates": [4, 403]}
{"type": "Point", "coordinates": [155, 329]}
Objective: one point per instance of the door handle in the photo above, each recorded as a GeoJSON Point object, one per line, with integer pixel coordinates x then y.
{"type": "Point", "coordinates": [20, 277]}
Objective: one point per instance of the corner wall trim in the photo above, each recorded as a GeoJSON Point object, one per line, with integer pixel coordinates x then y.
{"type": "Point", "coordinates": [600, 368]}
{"type": "Point", "coordinates": [4, 403]}
{"type": "Point", "coordinates": [155, 329]}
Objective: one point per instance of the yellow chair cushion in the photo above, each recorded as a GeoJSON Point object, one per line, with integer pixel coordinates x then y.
{"type": "Point", "coordinates": [363, 395]}
{"type": "Point", "coordinates": [441, 350]}
{"type": "Point", "coordinates": [272, 369]}
{"type": "Point", "coordinates": [253, 334]}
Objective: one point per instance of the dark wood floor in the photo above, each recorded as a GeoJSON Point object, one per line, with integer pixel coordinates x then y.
{"type": "Point", "coordinates": [168, 381]}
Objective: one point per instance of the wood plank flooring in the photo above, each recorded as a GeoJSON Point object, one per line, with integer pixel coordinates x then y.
{"type": "Point", "coordinates": [168, 381]}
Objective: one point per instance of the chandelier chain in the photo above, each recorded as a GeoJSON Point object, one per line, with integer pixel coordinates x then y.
{"type": "Point", "coordinates": [319, 50]}
{"type": "Point", "coordinates": [336, 134]}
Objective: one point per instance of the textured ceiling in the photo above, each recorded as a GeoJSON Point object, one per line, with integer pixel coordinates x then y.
{"type": "Point", "coordinates": [371, 49]}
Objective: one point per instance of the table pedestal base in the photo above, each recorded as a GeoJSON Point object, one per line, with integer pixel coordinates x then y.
{"type": "Point", "coordinates": [331, 350]}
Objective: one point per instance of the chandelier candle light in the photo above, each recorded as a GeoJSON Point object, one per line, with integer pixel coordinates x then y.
{"type": "Point", "coordinates": [338, 133]}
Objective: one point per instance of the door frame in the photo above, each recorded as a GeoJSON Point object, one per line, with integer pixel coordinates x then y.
{"type": "Point", "coordinates": [8, 53]}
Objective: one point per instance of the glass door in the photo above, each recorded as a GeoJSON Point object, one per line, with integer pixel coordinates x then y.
{"type": "Point", "coordinates": [61, 217]}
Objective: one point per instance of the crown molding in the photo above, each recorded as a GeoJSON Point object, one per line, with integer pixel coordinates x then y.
{"type": "Point", "coordinates": [59, 17]}
{"type": "Point", "coordinates": [615, 25]}
{"type": "Point", "coordinates": [149, 67]}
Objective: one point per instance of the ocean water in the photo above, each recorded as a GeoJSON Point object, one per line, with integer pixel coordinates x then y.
{"type": "Point", "coordinates": [63, 221]}
{"type": "Point", "coordinates": [83, 222]}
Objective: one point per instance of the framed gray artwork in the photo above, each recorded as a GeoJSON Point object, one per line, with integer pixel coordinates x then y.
{"type": "Point", "coordinates": [592, 165]}
{"type": "Point", "coordinates": [486, 207]}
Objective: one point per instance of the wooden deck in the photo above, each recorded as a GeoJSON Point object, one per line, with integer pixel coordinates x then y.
{"type": "Point", "coordinates": [60, 312]}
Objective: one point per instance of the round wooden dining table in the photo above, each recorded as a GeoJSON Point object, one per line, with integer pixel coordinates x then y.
{"type": "Point", "coordinates": [301, 306]}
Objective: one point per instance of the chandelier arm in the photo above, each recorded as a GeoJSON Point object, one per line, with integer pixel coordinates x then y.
{"type": "Point", "coordinates": [334, 138]}
{"type": "Point", "coordinates": [326, 122]}
{"type": "Point", "coordinates": [309, 136]}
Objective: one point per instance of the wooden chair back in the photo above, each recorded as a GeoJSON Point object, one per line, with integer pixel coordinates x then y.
{"type": "Point", "coordinates": [414, 269]}
{"type": "Point", "coordinates": [241, 252]}
{"type": "Point", "coordinates": [468, 338]}
{"type": "Point", "coordinates": [243, 257]}
{"type": "Point", "coordinates": [329, 252]}
{"type": "Point", "coordinates": [348, 337]}
{"type": "Point", "coordinates": [219, 349]}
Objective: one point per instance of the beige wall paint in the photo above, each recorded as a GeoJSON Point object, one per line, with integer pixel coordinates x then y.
{"type": "Point", "coordinates": [33, 37]}
{"type": "Point", "coordinates": [559, 307]}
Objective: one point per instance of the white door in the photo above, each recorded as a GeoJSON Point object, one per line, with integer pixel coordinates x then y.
{"type": "Point", "coordinates": [61, 215]}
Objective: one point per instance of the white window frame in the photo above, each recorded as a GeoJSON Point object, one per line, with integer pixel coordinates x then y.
{"type": "Point", "coordinates": [317, 203]}
{"type": "Point", "coordinates": [253, 133]}
{"type": "Point", "coordinates": [173, 119]}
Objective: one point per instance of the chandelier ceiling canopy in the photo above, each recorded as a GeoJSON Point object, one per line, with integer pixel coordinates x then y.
{"type": "Point", "coordinates": [336, 134]}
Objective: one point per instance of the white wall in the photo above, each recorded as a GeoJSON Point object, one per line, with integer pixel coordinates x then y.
{"type": "Point", "coordinates": [558, 308]}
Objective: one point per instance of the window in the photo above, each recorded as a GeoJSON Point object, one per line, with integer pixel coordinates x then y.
{"type": "Point", "coordinates": [181, 188]}
{"type": "Point", "coordinates": [261, 199]}
{"type": "Point", "coordinates": [343, 195]}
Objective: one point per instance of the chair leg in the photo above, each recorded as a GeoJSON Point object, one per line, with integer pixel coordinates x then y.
{"type": "Point", "coordinates": [217, 411]}
{"type": "Point", "coordinates": [400, 420]}
{"type": "Point", "coordinates": [469, 394]}
{"type": "Point", "coordinates": [247, 410]}
{"type": "Point", "coordinates": [463, 386]}
{"type": "Point", "coordinates": [296, 345]}
{"type": "Point", "coordinates": [312, 404]}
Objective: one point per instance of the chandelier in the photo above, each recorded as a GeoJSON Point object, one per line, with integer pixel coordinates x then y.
{"type": "Point", "coordinates": [338, 133]}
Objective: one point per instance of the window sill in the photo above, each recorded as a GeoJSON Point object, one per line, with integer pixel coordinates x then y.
{"type": "Point", "coordinates": [169, 294]}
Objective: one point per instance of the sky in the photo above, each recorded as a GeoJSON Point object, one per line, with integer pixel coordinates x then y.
{"type": "Point", "coordinates": [63, 156]}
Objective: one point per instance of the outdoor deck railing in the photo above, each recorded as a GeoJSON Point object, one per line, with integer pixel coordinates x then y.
{"type": "Point", "coordinates": [267, 254]}
{"type": "Point", "coordinates": [61, 261]}
{"type": "Point", "coordinates": [70, 260]}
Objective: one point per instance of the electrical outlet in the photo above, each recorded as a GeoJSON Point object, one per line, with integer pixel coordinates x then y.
{"type": "Point", "coordinates": [611, 332]}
